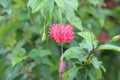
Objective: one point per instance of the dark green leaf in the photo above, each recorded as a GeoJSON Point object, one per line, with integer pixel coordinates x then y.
{"type": "Point", "coordinates": [38, 53]}
{"type": "Point", "coordinates": [70, 74]}
{"type": "Point", "coordinates": [95, 74]}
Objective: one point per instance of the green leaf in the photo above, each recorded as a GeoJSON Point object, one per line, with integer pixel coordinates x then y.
{"type": "Point", "coordinates": [96, 2]}
{"type": "Point", "coordinates": [61, 4]}
{"type": "Point", "coordinates": [89, 36]}
{"type": "Point", "coordinates": [34, 53]}
{"type": "Point", "coordinates": [109, 47]}
{"type": "Point", "coordinates": [30, 2]}
{"type": "Point", "coordinates": [72, 3]}
{"type": "Point", "coordinates": [86, 45]}
{"type": "Point", "coordinates": [18, 51]}
{"type": "Point", "coordinates": [72, 18]}
{"type": "Point", "coordinates": [16, 59]}
{"type": "Point", "coordinates": [50, 6]}
{"type": "Point", "coordinates": [99, 73]}
{"type": "Point", "coordinates": [74, 53]}
{"type": "Point", "coordinates": [73, 73]}
{"type": "Point", "coordinates": [95, 74]}
{"type": "Point", "coordinates": [95, 62]}
{"type": "Point", "coordinates": [18, 55]}
{"type": "Point", "coordinates": [69, 6]}
{"type": "Point", "coordinates": [103, 68]}
{"type": "Point", "coordinates": [82, 74]}
{"type": "Point", "coordinates": [116, 38]}
{"type": "Point", "coordinates": [70, 74]}
{"type": "Point", "coordinates": [21, 3]}
{"type": "Point", "coordinates": [36, 5]}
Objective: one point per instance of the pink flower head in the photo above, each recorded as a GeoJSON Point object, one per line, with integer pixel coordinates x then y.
{"type": "Point", "coordinates": [61, 32]}
{"type": "Point", "coordinates": [61, 67]}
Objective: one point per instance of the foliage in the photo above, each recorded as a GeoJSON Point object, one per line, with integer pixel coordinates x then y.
{"type": "Point", "coordinates": [27, 52]}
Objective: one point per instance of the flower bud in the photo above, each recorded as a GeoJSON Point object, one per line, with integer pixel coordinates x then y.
{"type": "Point", "coordinates": [61, 67]}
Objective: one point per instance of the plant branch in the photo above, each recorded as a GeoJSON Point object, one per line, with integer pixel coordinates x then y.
{"type": "Point", "coordinates": [90, 53]}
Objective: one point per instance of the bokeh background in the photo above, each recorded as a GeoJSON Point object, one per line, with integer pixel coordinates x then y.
{"type": "Point", "coordinates": [24, 56]}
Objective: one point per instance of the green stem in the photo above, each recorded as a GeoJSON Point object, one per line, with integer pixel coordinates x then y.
{"type": "Point", "coordinates": [44, 24]}
{"type": "Point", "coordinates": [61, 50]}
{"type": "Point", "coordinates": [60, 13]}
{"type": "Point", "coordinates": [91, 52]}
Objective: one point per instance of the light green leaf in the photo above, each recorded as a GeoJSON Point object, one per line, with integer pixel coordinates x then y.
{"type": "Point", "coordinates": [96, 2]}
{"type": "Point", "coordinates": [72, 3]}
{"type": "Point", "coordinates": [89, 36]}
{"type": "Point", "coordinates": [61, 4]}
{"type": "Point", "coordinates": [30, 2]}
{"type": "Point", "coordinates": [66, 74]}
{"type": "Point", "coordinates": [36, 5]}
{"type": "Point", "coordinates": [16, 59]}
{"type": "Point", "coordinates": [103, 68]}
{"type": "Point", "coordinates": [50, 4]}
{"type": "Point", "coordinates": [116, 38]}
{"type": "Point", "coordinates": [73, 53]}
{"type": "Point", "coordinates": [109, 47]}
{"type": "Point", "coordinates": [43, 36]}
{"type": "Point", "coordinates": [95, 62]}
{"type": "Point", "coordinates": [69, 6]}
{"type": "Point", "coordinates": [21, 3]}
{"type": "Point", "coordinates": [99, 73]}
{"type": "Point", "coordinates": [72, 18]}
{"type": "Point", "coordinates": [86, 45]}
{"type": "Point", "coordinates": [18, 55]}
{"type": "Point", "coordinates": [18, 51]}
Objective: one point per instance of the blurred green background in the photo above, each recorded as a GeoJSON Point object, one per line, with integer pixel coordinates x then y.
{"type": "Point", "coordinates": [24, 56]}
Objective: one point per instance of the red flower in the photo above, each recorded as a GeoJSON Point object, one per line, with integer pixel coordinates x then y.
{"type": "Point", "coordinates": [61, 32]}
{"type": "Point", "coordinates": [102, 37]}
